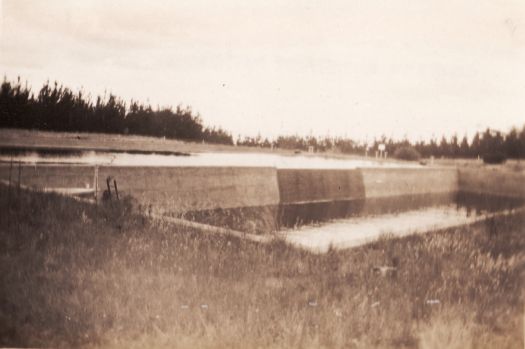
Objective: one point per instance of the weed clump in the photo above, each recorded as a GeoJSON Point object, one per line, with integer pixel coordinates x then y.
{"type": "Point", "coordinates": [495, 158]}
{"type": "Point", "coordinates": [407, 153]}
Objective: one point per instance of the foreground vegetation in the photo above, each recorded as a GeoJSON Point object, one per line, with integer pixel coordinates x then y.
{"type": "Point", "coordinates": [73, 274]}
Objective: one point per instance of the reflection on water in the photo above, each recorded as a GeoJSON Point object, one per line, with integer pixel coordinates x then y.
{"type": "Point", "coordinates": [56, 156]}
{"type": "Point", "coordinates": [360, 230]}
{"type": "Point", "coordinates": [18, 154]}
{"type": "Point", "coordinates": [294, 215]}
{"type": "Point", "coordinates": [60, 155]}
{"type": "Point", "coordinates": [397, 216]}
{"type": "Point", "coordinates": [138, 158]}
{"type": "Point", "coordinates": [477, 204]}
{"type": "Point", "coordinates": [351, 222]}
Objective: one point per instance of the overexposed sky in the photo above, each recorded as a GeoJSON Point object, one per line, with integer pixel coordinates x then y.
{"type": "Point", "coordinates": [349, 67]}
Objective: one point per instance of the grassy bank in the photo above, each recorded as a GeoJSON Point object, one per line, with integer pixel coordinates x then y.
{"type": "Point", "coordinates": [108, 142]}
{"type": "Point", "coordinates": [72, 274]}
{"type": "Point", "coordinates": [78, 140]}
{"type": "Point", "coordinates": [30, 139]}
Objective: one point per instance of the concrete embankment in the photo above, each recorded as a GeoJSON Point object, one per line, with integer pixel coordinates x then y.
{"type": "Point", "coordinates": [492, 182]}
{"type": "Point", "coordinates": [165, 189]}
{"type": "Point", "coordinates": [180, 189]}
{"type": "Point", "coordinates": [49, 176]}
{"type": "Point", "coordinates": [400, 181]}
{"type": "Point", "coordinates": [307, 186]}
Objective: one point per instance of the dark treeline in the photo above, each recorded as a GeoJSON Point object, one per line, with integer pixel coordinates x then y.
{"type": "Point", "coordinates": [58, 108]}
{"type": "Point", "coordinates": [509, 145]}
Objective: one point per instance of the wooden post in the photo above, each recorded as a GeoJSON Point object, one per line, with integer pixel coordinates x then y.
{"type": "Point", "coordinates": [9, 192]}
{"type": "Point", "coordinates": [116, 189]}
{"type": "Point", "coordinates": [95, 183]}
{"type": "Point", "coordinates": [19, 175]}
{"type": "Point", "coordinates": [108, 181]}
{"type": "Point", "coordinates": [10, 171]}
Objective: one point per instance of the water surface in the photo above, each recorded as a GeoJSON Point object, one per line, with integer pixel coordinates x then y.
{"type": "Point", "coordinates": [357, 231]}
{"type": "Point", "coordinates": [195, 159]}
{"type": "Point", "coordinates": [344, 224]}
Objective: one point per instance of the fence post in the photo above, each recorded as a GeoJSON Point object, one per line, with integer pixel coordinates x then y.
{"type": "Point", "coordinates": [95, 183]}
{"type": "Point", "coordinates": [19, 175]}
{"type": "Point", "coordinates": [108, 181]}
{"type": "Point", "coordinates": [116, 189]}
{"type": "Point", "coordinates": [9, 191]}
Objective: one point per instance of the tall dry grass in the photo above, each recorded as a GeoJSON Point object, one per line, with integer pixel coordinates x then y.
{"type": "Point", "coordinates": [72, 274]}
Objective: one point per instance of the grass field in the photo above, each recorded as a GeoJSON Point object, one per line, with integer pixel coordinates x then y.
{"type": "Point", "coordinates": [29, 139]}
{"type": "Point", "coordinates": [75, 140]}
{"type": "Point", "coordinates": [72, 275]}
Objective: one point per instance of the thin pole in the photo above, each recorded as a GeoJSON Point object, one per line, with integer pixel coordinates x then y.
{"type": "Point", "coordinates": [9, 191]}
{"type": "Point", "coordinates": [19, 173]}
{"type": "Point", "coordinates": [116, 189]}
{"type": "Point", "coordinates": [95, 183]}
{"type": "Point", "coordinates": [109, 187]}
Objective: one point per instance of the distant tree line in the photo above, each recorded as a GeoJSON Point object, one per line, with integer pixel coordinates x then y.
{"type": "Point", "coordinates": [320, 144]}
{"type": "Point", "coordinates": [58, 108]}
{"type": "Point", "coordinates": [510, 145]}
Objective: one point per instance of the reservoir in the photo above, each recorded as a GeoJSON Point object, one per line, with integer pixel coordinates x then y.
{"type": "Point", "coordinates": [216, 159]}
{"type": "Point", "coordinates": [310, 201]}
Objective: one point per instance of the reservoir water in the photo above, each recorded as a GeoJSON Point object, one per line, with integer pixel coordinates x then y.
{"type": "Point", "coordinates": [233, 159]}
{"type": "Point", "coordinates": [316, 226]}
{"type": "Point", "coordinates": [343, 224]}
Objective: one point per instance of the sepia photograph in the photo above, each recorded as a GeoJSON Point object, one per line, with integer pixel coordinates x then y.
{"type": "Point", "coordinates": [262, 174]}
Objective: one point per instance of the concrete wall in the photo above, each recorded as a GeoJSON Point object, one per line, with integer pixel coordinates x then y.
{"type": "Point", "coordinates": [54, 176]}
{"type": "Point", "coordinates": [299, 186]}
{"type": "Point", "coordinates": [166, 189]}
{"type": "Point", "coordinates": [492, 182]}
{"type": "Point", "coordinates": [177, 189]}
{"type": "Point", "coordinates": [380, 182]}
